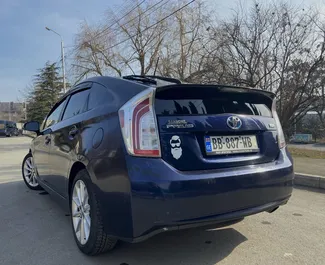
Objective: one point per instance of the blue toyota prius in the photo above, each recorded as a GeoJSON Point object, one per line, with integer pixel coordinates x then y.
{"type": "Point", "coordinates": [135, 156]}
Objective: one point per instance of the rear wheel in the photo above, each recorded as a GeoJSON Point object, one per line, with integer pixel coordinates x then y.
{"type": "Point", "coordinates": [29, 173]}
{"type": "Point", "coordinates": [86, 218]}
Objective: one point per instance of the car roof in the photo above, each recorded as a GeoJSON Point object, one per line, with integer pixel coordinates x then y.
{"type": "Point", "coordinates": [124, 88]}
{"type": "Point", "coordinates": [110, 81]}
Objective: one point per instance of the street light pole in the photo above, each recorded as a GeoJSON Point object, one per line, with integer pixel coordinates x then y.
{"type": "Point", "coordinates": [62, 57]}
{"type": "Point", "coordinates": [63, 66]}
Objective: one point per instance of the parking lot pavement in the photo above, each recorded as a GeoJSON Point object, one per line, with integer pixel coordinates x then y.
{"type": "Point", "coordinates": [34, 230]}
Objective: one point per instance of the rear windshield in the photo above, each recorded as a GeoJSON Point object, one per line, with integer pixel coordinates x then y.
{"type": "Point", "coordinates": [200, 103]}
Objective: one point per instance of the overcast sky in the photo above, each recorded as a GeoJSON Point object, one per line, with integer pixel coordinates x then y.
{"type": "Point", "coordinates": [25, 45]}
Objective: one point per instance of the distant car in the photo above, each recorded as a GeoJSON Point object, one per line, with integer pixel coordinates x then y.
{"type": "Point", "coordinates": [135, 156]}
{"type": "Point", "coordinates": [8, 128]}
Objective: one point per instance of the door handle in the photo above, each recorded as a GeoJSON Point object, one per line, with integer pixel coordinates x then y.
{"type": "Point", "coordinates": [47, 140]}
{"type": "Point", "coordinates": [73, 132]}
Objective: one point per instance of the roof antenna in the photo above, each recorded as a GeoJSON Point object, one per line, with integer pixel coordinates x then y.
{"type": "Point", "coordinates": [154, 73]}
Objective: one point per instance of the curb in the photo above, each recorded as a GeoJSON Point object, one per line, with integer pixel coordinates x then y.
{"type": "Point", "coordinates": [27, 135]}
{"type": "Point", "coordinates": [312, 181]}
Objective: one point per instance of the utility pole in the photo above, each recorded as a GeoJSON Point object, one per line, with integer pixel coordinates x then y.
{"type": "Point", "coordinates": [63, 66]}
{"type": "Point", "coordinates": [11, 104]}
{"type": "Point", "coordinates": [25, 111]}
{"type": "Point", "coordinates": [62, 57]}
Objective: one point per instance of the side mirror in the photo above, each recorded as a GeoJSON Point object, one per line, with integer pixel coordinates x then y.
{"type": "Point", "coordinates": [32, 126]}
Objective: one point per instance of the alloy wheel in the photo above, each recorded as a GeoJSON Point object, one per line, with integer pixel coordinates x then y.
{"type": "Point", "coordinates": [29, 172]}
{"type": "Point", "coordinates": [81, 212]}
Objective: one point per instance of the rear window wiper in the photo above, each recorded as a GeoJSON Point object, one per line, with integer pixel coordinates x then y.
{"type": "Point", "coordinates": [167, 79]}
{"type": "Point", "coordinates": [151, 79]}
{"type": "Point", "coordinates": [140, 78]}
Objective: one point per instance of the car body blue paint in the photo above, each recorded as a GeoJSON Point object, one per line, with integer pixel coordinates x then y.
{"type": "Point", "coordinates": [140, 196]}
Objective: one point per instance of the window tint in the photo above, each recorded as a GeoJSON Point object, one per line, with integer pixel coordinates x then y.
{"type": "Point", "coordinates": [211, 102]}
{"type": "Point", "coordinates": [76, 104]}
{"type": "Point", "coordinates": [210, 106]}
{"type": "Point", "coordinates": [53, 118]}
{"type": "Point", "coordinates": [11, 125]}
{"type": "Point", "coordinates": [99, 95]}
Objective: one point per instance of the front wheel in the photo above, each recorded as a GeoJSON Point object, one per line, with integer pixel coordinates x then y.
{"type": "Point", "coordinates": [86, 217]}
{"type": "Point", "coordinates": [29, 173]}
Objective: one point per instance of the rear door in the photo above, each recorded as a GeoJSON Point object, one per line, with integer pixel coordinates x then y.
{"type": "Point", "coordinates": [210, 127]}
{"type": "Point", "coordinates": [66, 140]}
{"type": "Point", "coordinates": [41, 144]}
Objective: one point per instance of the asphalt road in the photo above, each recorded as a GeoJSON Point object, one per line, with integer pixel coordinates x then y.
{"type": "Point", "coordinates": [34, 230]}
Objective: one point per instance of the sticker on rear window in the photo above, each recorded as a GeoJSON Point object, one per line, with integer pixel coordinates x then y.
{"type": "Point", "coordinates": [175, 144]}
{"type": "Point", "coordinates": [208, 146]}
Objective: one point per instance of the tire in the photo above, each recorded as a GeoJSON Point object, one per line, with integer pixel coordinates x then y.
{"type": "Point", "coordinates": [88, 215]}
{"type": "Point", "coordinates": [29, 173]}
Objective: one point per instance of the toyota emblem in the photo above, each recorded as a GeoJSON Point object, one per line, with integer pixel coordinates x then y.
{"type": "Point", "coordinates": [234, 122]}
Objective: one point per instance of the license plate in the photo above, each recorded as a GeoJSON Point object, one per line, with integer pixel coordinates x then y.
{"type": "Point", "coordinates": [218, 145]}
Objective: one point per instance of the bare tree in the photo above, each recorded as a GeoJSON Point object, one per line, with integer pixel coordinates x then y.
{"type": "Point", "coordinates": [144, 29]}
{"type": "Point", "coordinates": [248, 50]}
{"type": "Point", "coordinates": [92, 54]}
{"type": "Point", "coordinates": [127, 44]}
{"type": "Point", "coordinates": [184, 54]}
{"type": "Point", "coordinates": [278, 48]}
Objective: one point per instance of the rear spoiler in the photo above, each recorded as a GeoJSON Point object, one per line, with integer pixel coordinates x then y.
{"type": "Point", "coordinates": [220, 88]}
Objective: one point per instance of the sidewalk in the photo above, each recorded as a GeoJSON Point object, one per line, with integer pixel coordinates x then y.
{"type": "Point", "coordinates": [310, 166]}
{"type": "Point", "coordinates": [309, 172]}
{"type": "Point", "coordinates": [317, 146]}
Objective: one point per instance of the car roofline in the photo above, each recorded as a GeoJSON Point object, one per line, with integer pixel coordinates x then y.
{"type": "Point", "coordinates": [98, 79]}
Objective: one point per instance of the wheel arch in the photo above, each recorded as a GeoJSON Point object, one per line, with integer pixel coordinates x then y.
{"type": "Point", "coordinates": [76, 167]}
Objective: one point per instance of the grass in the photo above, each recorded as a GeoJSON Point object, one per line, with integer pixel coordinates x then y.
{"type": "Point", "coordinates": [299, 152]}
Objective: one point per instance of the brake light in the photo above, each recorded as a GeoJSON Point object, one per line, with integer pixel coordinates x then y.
{"type": "Point", "coordinates": [281, 138]}
{"type": "Point", "coordinates": [139, 125]}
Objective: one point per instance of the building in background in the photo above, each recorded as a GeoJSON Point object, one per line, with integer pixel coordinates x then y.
{"type": "Point", "coordinates": [12, 111]}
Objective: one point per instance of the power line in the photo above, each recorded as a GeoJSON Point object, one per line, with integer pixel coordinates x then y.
{"type": "Point", "coordinates": [108, 27]}
{"type": "Point", "coordinates": [151, 7]}
{"type": "Point", "coordinates": [99, 33]}
{"type": "Point", "coordinates": [151, 26]}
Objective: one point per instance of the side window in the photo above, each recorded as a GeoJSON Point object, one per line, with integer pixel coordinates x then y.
{"type": "Point", "coordinates": [76, 104]}
{"type": "Point", "coordinates": [99, 95]}
{"type": "Point", "coordinates": [54, 116]}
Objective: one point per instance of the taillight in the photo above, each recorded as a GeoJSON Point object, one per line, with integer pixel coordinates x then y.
{"type": "Point", "coordinates": [139, 125]}
{"type": "Point", "coordinates": [281, 138]}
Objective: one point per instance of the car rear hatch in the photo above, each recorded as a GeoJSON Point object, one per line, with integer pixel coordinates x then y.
{"type": "Point", "coordinates": [210, 127]}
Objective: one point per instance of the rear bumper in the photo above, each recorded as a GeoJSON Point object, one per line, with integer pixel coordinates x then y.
{"type": "Point", "coordinates": [211, 221]}
{"type": "Point", "coordinates": [164, 199]}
